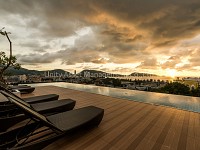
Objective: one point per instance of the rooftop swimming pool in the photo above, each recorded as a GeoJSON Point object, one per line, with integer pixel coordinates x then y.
{"type": "Point", "coordinates": [177, 101]}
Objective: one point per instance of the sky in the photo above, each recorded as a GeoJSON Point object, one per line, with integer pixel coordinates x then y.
{"type": "Point", "coordinates": [118, 36]}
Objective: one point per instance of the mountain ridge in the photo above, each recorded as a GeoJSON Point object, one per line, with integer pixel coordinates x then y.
{"type": "Point", "coordinates": [22, 71]}
{"type": "Point", "coordinates": [25, 71]}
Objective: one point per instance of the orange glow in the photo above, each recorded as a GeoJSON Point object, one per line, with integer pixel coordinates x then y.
{"type": "Point", "coordinates": [171, 72]}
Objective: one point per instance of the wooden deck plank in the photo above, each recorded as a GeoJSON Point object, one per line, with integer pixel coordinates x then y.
{"type": "Point", "coordinates": [111, 125]}
{"type": "Point", "coordinates": [129, 124]}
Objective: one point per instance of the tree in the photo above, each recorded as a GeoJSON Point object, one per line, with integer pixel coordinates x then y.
{"type": "Point", "coordinates": [195, 92]}
{"type": "Point", "coordinates": [5, 61]}
{"type": "Point", "coordinates": [116, 82]}
{"type": "Point", "coordinates": [176, 88]}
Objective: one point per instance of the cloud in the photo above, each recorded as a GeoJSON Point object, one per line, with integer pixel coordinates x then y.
{"type": "Point", "coordinates": [194, 58]}
{"type": "Point", "coordinates": [122, 34]}
{"type": "Point", "coordinates": [90, 47]}
{"type": "Point", "coordinates": [31, 44]}
{"type": "Point", "coordinates": [150, 63]}
{"type": "Point", "coordinates": [118, 31]}
{"type": "Point", "coordinates": [165, 21]}
{"type": "Point", "coordinates": [185, 67]}
{"type": "Point", "coordinates": [68, 57]}
{"type": "Point", "coordinates": [171, 62]}
{"type": "Point", "coordinates": [35, 58]}
{"type": "Point", "coordinates": [122, 69]}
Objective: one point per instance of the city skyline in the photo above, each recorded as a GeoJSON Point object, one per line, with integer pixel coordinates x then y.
{"type": "Point", "coordinates": [157, 37]}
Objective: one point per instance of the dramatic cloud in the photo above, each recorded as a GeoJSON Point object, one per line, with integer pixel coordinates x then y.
{"type": "Point", "coordinates": [171, 62]}
{"type": "Point", "coordinates": [147, 34]}
{"type": "Point", "coordinates": [150, 63]}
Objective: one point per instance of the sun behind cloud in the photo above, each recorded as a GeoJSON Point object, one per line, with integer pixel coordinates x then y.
{"type": "Point", "coordinates": [171, 72]}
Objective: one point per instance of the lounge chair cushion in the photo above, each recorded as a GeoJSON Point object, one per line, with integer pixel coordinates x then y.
{"type": "Point", "coordinates": [54, 106]}
{"type": "Point", "coordinates": [72, 119]}
{"type": "Point", "coordinates": [42, 98]}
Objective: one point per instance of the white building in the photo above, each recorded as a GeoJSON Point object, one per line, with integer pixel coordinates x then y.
{"type": "Point", "coordinates": [22, 78]}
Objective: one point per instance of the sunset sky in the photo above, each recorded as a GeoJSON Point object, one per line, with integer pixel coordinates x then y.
{"type": "Point", "coordinates": [118, 36]}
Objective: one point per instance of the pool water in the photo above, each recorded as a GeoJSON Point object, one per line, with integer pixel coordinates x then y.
{"type": "Point", "coordinates": [177, 101]}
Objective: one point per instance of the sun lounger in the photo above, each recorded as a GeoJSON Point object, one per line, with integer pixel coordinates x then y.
{"type": "Point", "coordinates": [18, 86]}
{"type": "Point", "coordinates": [6, 105]}
{"type": "Point", "coordinates": [24, 90]}
{"type": "Point", "coordinates": [10, 118]}
{"type": "Point", "coordinates": [35, 99]}
{"type": "Point", "coordinates": [46, 108]}
{"type": "Point", "coordinates": [47, 129]}
{"type": "Point", "coordinates": [42, 98]}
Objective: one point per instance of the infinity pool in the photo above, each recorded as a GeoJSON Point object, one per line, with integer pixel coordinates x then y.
{"type": "Point", "coordinates": [177, 101]}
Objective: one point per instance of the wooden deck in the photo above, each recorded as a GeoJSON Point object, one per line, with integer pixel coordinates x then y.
{"type": "Point", "coordinates": [129, 125]}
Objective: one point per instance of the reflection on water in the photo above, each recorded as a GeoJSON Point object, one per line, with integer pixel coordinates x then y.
{"type": "Point", "coordinates": [177, 101]}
